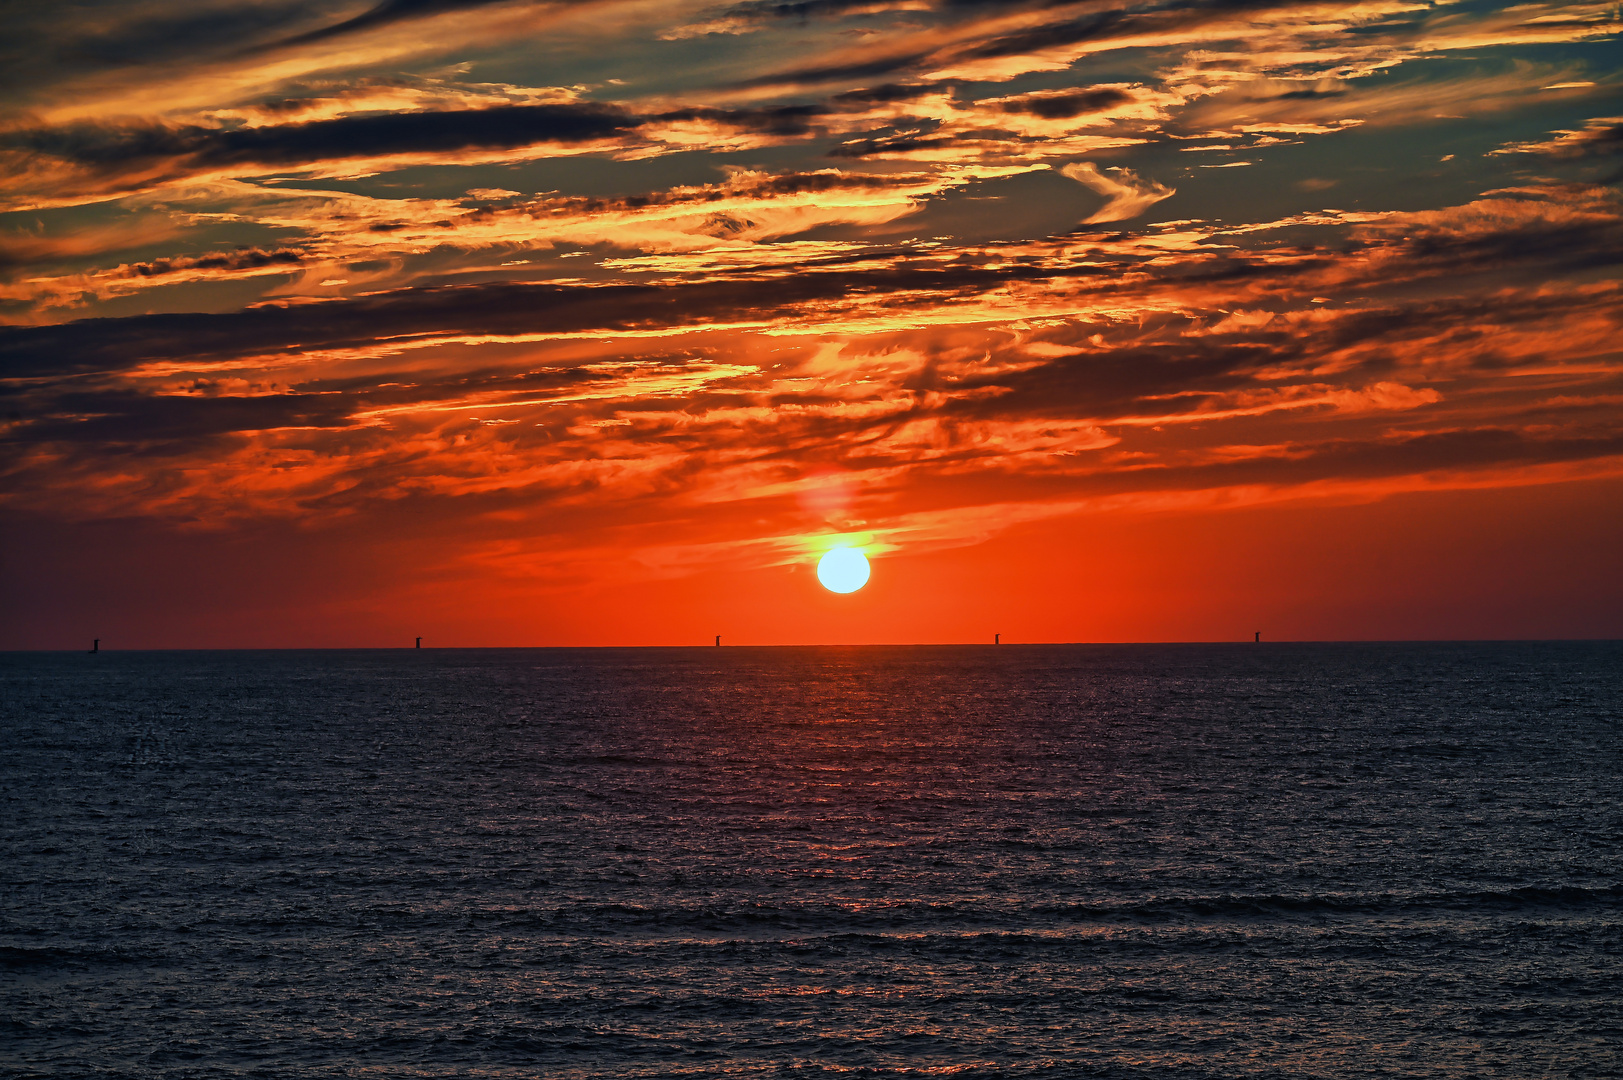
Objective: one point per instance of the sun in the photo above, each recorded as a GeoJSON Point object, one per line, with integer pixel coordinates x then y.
{"type": "Point", "coordinates": [843, 570]}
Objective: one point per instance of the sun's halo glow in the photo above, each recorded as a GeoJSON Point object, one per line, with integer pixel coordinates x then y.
{"type": "Point", "coordinates": [843, 570]}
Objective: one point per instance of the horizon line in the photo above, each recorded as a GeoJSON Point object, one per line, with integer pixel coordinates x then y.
{"type": "Point", "coordinates": [830, 645]}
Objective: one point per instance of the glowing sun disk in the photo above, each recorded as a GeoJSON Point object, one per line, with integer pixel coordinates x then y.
{"type": "Point", "coordinates": [843, 570]}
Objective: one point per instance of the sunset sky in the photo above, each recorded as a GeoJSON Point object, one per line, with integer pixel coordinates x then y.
{"type": "Point", "coordinates": [594, 322]}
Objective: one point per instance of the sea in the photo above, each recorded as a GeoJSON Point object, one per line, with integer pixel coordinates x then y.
{"type": "Point", "coordinates": [1133, 861]}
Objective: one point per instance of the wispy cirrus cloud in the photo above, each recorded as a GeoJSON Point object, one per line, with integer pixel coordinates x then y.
{"type": "Point", "coordinates": [1600, 138]}
{"type": "Point", "coordinates": [1129, 195]}
{"type": "Point", "coordinates": [367, 240]}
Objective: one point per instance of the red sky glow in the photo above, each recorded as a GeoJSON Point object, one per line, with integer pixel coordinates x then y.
{"type": "Point", "coordinates": [597, 323]}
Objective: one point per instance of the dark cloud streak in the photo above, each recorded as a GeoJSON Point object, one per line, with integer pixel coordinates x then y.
{"type": "Point", "coordinates": [497, 309]}
{"type": "Point", "coordinates": [1114, 23]}
{"type": "Point", "coordinates": [109, 150]}
{"type": "Point", "coordinates": [384, 14]}
{"type": "Point", "coordinates": [177, 422]}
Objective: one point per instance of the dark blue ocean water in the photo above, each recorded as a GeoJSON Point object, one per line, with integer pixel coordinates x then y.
{"type": "Point", "coordinates": [1111, 861]}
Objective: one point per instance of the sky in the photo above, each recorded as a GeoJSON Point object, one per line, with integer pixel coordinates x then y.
{"type": "Point", "coordinates": [330, 324]}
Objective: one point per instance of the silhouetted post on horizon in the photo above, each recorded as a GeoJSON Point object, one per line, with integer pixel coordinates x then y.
{"type": "Point", "coordinates": [997, 639]}
{"type": "Point", "coordinates": [419, 643]}
{"type": "Point", "coordinates": [95, 647]}
{"type": "Point", "coordinates": [718, 641]}
{"type": "Point", "coordinates": [1257, 637]}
